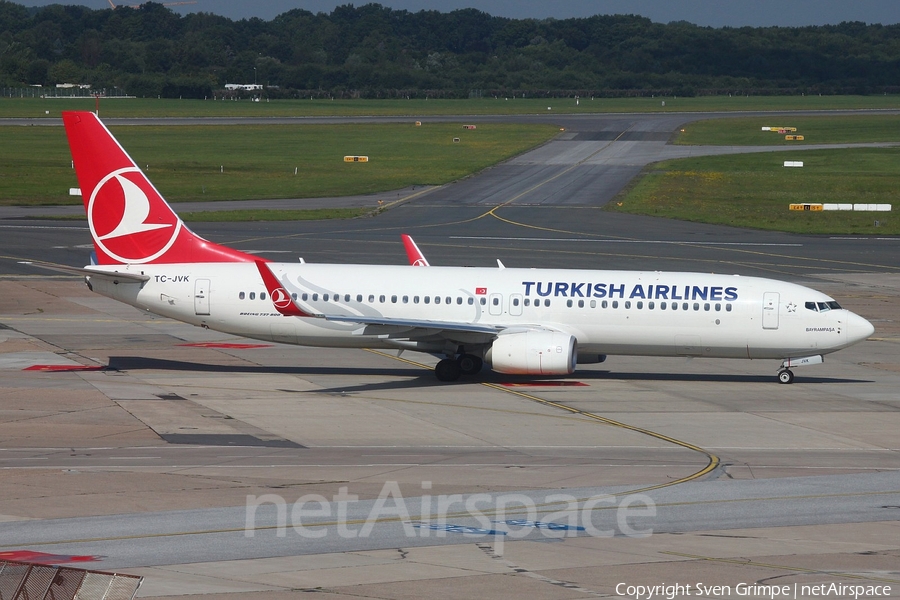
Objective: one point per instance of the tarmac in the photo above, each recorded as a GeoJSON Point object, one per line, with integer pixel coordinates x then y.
{"type": "Point", "coordinates": [143, 445]}
{"type": "Point", "coordinates": [164, 427]}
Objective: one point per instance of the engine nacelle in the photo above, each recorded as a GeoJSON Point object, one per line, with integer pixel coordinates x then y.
{"type": "Point", "coordinates": [533, 353]}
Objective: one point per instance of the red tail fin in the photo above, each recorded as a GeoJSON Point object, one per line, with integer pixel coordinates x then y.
{"type": "Point", "coordinates": [129, 220]}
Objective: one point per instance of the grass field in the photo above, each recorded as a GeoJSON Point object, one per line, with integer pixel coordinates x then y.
{"type": "Point", "coordinates": [147, 107]}
{"type": "Point", "coordinates": [816, 130]}
{"type": "Point", "coordinates": [754, 190]}
{"type": "Point", "coordinates": [217, 163]}
{"type": "Point", "coordinates": [255, 162]}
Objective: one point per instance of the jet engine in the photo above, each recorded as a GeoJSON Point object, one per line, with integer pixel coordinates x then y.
{"type": "Point", "coordinates": [533, 353]}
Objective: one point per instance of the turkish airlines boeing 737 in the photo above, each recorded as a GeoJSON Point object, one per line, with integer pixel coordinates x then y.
{"type": "Point", "coordinates": [519, 321]}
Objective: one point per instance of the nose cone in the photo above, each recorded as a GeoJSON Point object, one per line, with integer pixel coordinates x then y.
{"type": "Point", "coordinates": [858, 328]}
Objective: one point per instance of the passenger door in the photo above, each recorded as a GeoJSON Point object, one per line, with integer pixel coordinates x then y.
{"type": "Point", "coordinates": [770, 310]}
{"type": "Point", "coordinates": [201, 296]}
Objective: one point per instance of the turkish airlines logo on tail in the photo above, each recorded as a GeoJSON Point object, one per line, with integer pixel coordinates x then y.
{"type": "Point", "coordinates": [125, 224]}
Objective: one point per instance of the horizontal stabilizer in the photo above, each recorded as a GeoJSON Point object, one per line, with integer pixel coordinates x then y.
{"type": "Point", "coordinates": [115, 276]}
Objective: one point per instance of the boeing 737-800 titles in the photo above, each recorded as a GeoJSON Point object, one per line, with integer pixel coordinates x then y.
{"type": "Point", "coordinates": [519, 321]}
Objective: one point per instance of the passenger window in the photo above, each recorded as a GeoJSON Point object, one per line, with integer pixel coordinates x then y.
{"type": "Point", "coordinates": [515, 301]}
{"type": "Point", "coordinates": [415, 299]}
{"type": "Point", "coordinates": [324, 297]}
{"type": "Point", "coordinates": [449, 300]}
{"type": "Point", "coordinates": [674, 306]}
{"type": "Point", "coordinates": [727, 308]}
{"type": "Point", "coordinates": [593, 304]}
{"type": "Point", "coordinates": [471, 301]}
{"type": "Point", "coordinates": [696, 306]}
{"type": "Point", "coordinates": [628, 304]}
{"type": "Point", "coordinates": [359, 297]}
{"type": "Point", "coordinates": [241, 296]}
{"type": "Point", "coordinates": [294, 296]}
{"type": "Point", "coordinates": [427, 299]}
{"type": "Point", "coordinates": [547, 303]}
{"type": "Point", "coordinates": [706, 306]}
{"type": "Point", "coordinates": [496, 301]}
{"type": "Point", "coordinates": [718, 307]}
{"type": "Point", "coordinates": [527, 301]}
{"type": "Point", "coordinates": [459, 299]}
{"type": "Point", "coordinates": [684, 306]}
{"type": "Point", "coordinates": [483, 301]}
{"type": "Point", "coordinates": [371, 298]}
{"type": "Point", "coordinates": [346, 297]}
{"type": "Point", "coordinates": [640, 304]}
{"type": "Point", "coordinates": [405, 299]}
{"type": "Point", "coordinates": [437, 299]}
{"type": "Point", "coordinates": [581, 304]}
{"type": "Point", "coordinates": [305, 296]}
{"type": "Point", "coordinates": [569, 303]}
{"type": "Point", "coordinates": [262, 295]}
{"type": "Point", "coordinates": [615, 304]}
{"type": "Point", "coordinates": [253, 295]}
{"type": "Point", "coordinates": [662, 306]}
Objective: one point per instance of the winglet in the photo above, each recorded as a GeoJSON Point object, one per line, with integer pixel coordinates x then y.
{"type": "Point", "coordinates": [415, 256]}
{"type": "Point", "coordinates": [280, 296]}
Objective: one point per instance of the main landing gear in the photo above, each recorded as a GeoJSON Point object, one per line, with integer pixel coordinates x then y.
{"type": "Point", "coordinates": [449, 369]}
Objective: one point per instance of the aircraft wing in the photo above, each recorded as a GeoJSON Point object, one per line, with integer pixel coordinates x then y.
{"type": "Point", "coordinates": [288, 307]}
{"type": "Point", "coordinates": [429, 326]}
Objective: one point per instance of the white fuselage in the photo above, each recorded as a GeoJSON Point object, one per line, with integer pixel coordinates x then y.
{"type": "Point", "coordinates": [608, 312]}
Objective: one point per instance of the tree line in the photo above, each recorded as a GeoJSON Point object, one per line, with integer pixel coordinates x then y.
{"type": "Point", "coordinates": [374, 51]}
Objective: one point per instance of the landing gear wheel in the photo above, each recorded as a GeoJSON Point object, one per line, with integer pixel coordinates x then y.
{"type": "Point", "coordinates": [785, 376]}
{"type": "Point", "coordinates": [447, 370]}
{"type": "Point", "coordinates": [469, 364]}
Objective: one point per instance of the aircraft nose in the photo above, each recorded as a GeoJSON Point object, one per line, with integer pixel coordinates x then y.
{"type": "Point", "coordinates": [858, 328]}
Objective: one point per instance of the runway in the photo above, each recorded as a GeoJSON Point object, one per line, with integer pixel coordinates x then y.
{"type": "Point", "coordinates": [146, 454]}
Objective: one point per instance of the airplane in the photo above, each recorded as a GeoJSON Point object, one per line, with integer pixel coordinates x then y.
{"type": "Point", "coordinates": [536, 322]}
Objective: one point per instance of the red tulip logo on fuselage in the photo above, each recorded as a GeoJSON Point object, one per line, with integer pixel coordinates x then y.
{"type": "Point", "coordinates": [125, 224]}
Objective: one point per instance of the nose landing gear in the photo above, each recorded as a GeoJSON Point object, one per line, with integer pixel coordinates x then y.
{"type": "Point", "coordinates": [785, 376]}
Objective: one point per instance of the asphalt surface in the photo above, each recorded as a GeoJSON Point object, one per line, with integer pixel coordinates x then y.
{"type": "Point", "coordinates": [813, 454]}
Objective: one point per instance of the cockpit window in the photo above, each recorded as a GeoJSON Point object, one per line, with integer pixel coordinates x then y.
{"type": "Point", "coordinates": [822, 306]}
